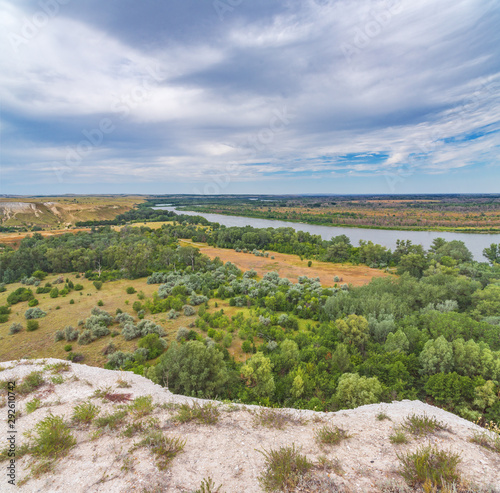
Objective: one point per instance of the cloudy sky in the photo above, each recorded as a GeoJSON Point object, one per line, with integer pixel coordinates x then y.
{"type": "Point", "coordinates": [249, 96]}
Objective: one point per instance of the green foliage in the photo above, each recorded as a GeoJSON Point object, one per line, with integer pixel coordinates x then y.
{"type": "Point", "coordinates": [20, 295]}
{"type": "Point", "coordinates": [258, 375]}
{"type": "Point", "coordinates": [141, 406]}
{"type": "Point", "coordinates": [354, 330]}
{"type": "Point", "coordinates": [429, 465]}
{"type": "Point", "coordinates": [53, 438]}
{"type": "Point", "coordinates": [32, 325]}
{"type": "Point", "coordinates": [130, 290]}
{"type": "Point", "coordinates": [193, 369]}
{"type": "Point", "coordinates": [154, 345]}
{"type": "Point", "coordinates": [32, 313]}
{"type": "Point", "coordinates": [284, 468]}
{"type": "Point", "coordinates": [97, 285]}
{"type": "Point", "coordinates": [33, 405]}
{"type": "Point", "coordinates": [85, 413]}
{"type": "Point", "coordinates": [30, 383]}
{"type": "Point", "coordinates": [111, 420]}
{"type": "Point", "coordinates": [354, 390]}
{"type": "Point", "coordinates": [207, 414]}
{"type": "Point", "coordinates": [330, 435]}
{"type": "Point", "coordinates": [421, 424]}
{"type": "Point", "coordinates": [54, 292]}
{"type": "Point", "coordinates": [33, 302]}
{"type": "Point", "coordinates": [15, 328]}
{"type": "Point", "coordinates": [165, 448]}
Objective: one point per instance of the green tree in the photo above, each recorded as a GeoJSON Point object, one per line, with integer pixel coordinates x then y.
{"type": "Point", "coordinates": [354, 330]}
{"type": "Point", "coordinates": [397, 341]}
{"type": "Point", "coordinates": [354, 390]}
{"type": "Point", "coordinates": [193, 369]}
{"type": "Point", "coordinates": [492, 253]}
{"type": "Point", "coordinates": [437, 356]}
{"type": "Point", "coordinates": [258, 375]}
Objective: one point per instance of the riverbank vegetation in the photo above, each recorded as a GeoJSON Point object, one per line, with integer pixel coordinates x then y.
{"type": "Point", "coordinates": [139, 299]}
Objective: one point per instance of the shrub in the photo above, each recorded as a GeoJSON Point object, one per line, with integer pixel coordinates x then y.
{"type": "Point", "coordinates": [119, 359]}
{"type": "Point", "coordinates": [97, 285]}
{"type": "Point", "coordinates": [422, 424]}
{"type": "Point", "coordinates": [429, 465]}
{"type": "Point", "coordinates": [32, 313]}
{"type": "Point", "coordinates": [330, 435]}
{"type": "Point", "coordinates": [136, 306]}
{"type": "Point", "coordinates": [68, 348]}
{"type": "Point", "coordinates": [207, 414]}
{"type": "Point", "coordinates": [85, 413]}
{"type": "Point", "coordinates": [124, 318]}
{"type": "Point", "coordinates": [189, 310]}
{"type": "Point", "coordinates": [182, 333]}
{"type": "Point", "coordinates": [40, 274]}
{"type": "Point", "coordinates": [33, 302]}
{"type": "Point", "coordinates": [31, 382]}
{"type": "Point", "coordinates": [32, 325]}
{"type": "Point", "coordinates": [15, 328]}
{"type": "Point", "coordinates": [398, 436]}
{"type": "Point", "coordinates": [130, 290]}
{"type": "Point", "coordinates": [54, 438]}
{"type": "Point", "coordinates": [72, 301]}
{"type": "Point", "coordinates": [54, 292]}
{"type": "Point", "coordinates": [165, 448]}
{"type": "Point", "coordinates": [59, 336]}
{"type": "Point", "coordinates": [70, 333]}
{"type": "Point", "coordinates": [75, 357]}
{"type": "Point", "coordinates": [86, 337]}
{"type": "Point", "coordinates": [33, 405]}
{"type": "Point", "coordinates": [100, 303]}
{"type": "Point", "coordinates": [141, 406]}
{"type": "Point", "coordinates": [284, 468]}
{"type": "Point", "coordinates": [78, 287]}
{"type": "Point", "coordinates": [154, 345]}
{"type": "Point", "coordinates": [19, 295]}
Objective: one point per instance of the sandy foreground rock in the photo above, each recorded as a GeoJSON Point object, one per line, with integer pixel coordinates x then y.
{"type": "Point", "coordinates": [229, 452]}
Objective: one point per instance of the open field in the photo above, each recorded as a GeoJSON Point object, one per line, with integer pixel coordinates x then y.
{"type": "Point", "coordinates": [152, 225]}
{"type": "Point", "coordinates": [14, 239]}
{"type": "Point", "coordinates": [53, 212]}
{"type": "Point", "coordinates": [292, 267]}
{"type": "Point", "coordinates": [41, 343]}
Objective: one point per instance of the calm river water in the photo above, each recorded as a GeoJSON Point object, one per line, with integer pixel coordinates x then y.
{"type": "Point", "coordinates": [474, 242]}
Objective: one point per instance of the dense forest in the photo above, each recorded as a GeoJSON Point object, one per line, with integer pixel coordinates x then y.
{"type": "Point", "coordinates": [430, 332]}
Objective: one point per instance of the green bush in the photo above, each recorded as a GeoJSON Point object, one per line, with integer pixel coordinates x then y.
{"type": "Point", "coordinates": [71, 301]}
{"type": "Point", "coordinates": [130, 290]}
{"type": "Point", "coordinates": [33, 302]}
{"type": "Point", "coordinates": [97, 285]}
{"type": "Point", "coordinates": [40, 274]}
{"type": "Point", "coordinates": [100, 303]}
{"type": "Point", "coordinates": [32, 325]}
{"type": "Point", "coordinates": [154, 344]}
{"type": "Point", "coordinates": [68, 348]}
{"type": "Point", "coordinates": [78, 287]}
{"type": "Point", "coordinates": [54, 292]}
{"type": "Point", "coordinates": [19, 295]}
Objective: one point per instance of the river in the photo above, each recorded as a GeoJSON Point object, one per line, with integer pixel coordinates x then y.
{"type": "Point", "coordinates": [475, 242]}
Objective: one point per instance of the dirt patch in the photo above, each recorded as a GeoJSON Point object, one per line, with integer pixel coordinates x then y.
{"type": "Point", "coordinates": [291, 267]}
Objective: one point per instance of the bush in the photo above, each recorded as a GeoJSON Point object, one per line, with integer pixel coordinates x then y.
{"type": "Point", "coordinates": [39, 274]}
{"type": "Point", "coordinates": [193, 369]}
{"type": "Point", "coordinates": [182, 333]}
{"type": "Point", "coordinates": [19, 295]}
{"type": "Point", "coordinates": [97, 285]}
{"type": "Point", "coordinates": [330, 435]}
{"type": "Point", "coordinates": [130, 290]}
{"type": "Point", "coordinates": [32, 313]}
{"type": "Point", "coordinates": [68, 348]}
{"type": "Point", "coordinates": [284, 468]}
{"type": "Point", "coordinates": [100, 303]}
{"type": "Point", "coordinates": [137, 306]}
{"type": "Point", "coordinates": [32, 325]}
{"type": "Point", "coordinates": [72, 301]}
{"type": "Point", "coordinates": [54, 292]}
{"type": "Point", "coordinates": [54, 438]}
{"type": "Point", "coordinates": [154, 345]}
{"type": "Point", "coordinates": [75, 357]}
{"type": "Point", "coordinates": [59, 336]}
{"type": "Point", "coordinates": [15, 328]}
{"type": "Point", "coordinates": [78, 287]}
{"type": "Point", "coordinates": [429, 465]}
{"type": "Point", "coordinates": [86, 337]}
{"type": "Point", "coordinates": [85, 413]}
{"type": "Point", "coordinates": [189, 310]}
{"type": "Point", "coordinates": [70, 333]}
{"type": "Point", "coordinates": [33, 302]}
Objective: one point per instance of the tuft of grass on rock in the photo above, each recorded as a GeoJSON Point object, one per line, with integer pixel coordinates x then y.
{"type": "Point", "coordinates": [430, 466]}
{"type": "Point", "coordinates": [274, 418]}
{"type": "Point", "coordinates": [207, 414]}
{"type": "Point", "coordinates": [141, 406]}
{"type": "Point", "coordinates": [330, 435]}
{"type": "Point", "coordinates": [33, 405]}
{"type": "Point", "coordinates": [208, 486]}
{"type": "Point", "coordinates": [30, 383]}
{"type": "Point", "coordinates": [421, 424]}
{"type": "Point", "coordinates": [398, 436]}
{"type": "Point", "coordinates": [284, 468]}
{"type": "Point", "coordinates": [165, 448]}
{"type": "Point", "coordinates": [85, 413]}
{"type": "Point", "coordinates": [112, 420]}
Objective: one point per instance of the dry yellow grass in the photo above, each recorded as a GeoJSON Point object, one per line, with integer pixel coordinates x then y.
{"type": "Point", "coordinates": [292, 267]}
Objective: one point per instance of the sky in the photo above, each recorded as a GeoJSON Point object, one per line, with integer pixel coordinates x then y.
{"type": "Point", "coordinates": [249, 96]}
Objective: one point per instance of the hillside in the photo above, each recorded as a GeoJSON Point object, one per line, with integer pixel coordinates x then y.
{"type": "Point", "coordinates": [52, 212]}
{"type": "Point", "coordinates": [108, 455]}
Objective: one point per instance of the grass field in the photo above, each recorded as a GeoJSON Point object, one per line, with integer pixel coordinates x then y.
{"type": "Point", "coordinates": [292, 267]}
{"type": "Point", "coordinates": [41, 343]}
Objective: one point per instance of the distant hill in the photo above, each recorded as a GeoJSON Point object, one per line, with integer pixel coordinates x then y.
{"type": "Point", "coordinates": [54, 212]}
